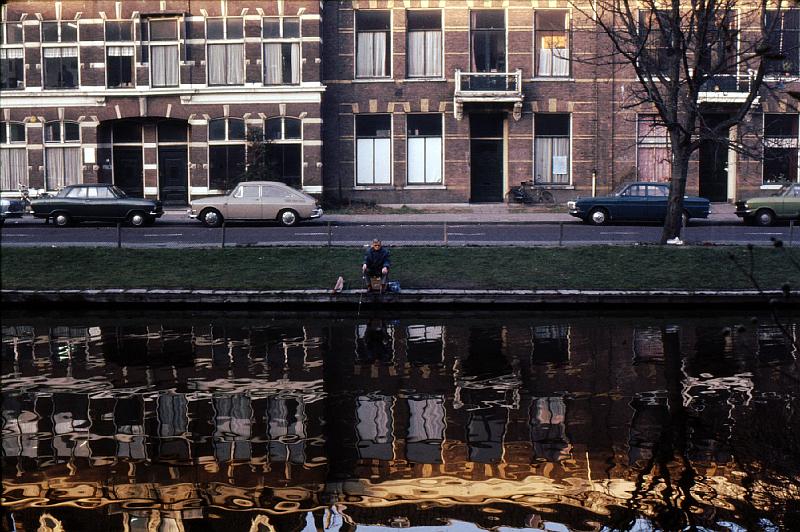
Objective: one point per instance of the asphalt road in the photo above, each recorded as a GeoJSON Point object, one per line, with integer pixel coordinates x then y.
{"type": "Point", "coordinates": [30, 232]}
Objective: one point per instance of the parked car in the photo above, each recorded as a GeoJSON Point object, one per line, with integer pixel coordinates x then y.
{"type": "Point", "coordinates": [639, 201]}
{"type": "Point", "coordinates": [96, 202]}
{"type": "Point", "coordinates": [257, 200]}
{"type": "Point", "coordinates": [11, 208]}
{"type": "Point", "coordinates": [784, 204]}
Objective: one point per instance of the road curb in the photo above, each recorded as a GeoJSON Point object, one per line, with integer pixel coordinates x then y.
{"type": "Point", "coordinates": [522, 299]}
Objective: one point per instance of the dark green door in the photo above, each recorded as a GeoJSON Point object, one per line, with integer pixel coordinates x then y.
{"type": "Point", "coordinates": [173, 175]}
{"type": "Point", "coordinates": [486, 157]}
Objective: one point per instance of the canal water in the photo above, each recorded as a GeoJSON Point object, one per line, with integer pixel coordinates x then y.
{"type": "Point", "coordinates": [260, 421]}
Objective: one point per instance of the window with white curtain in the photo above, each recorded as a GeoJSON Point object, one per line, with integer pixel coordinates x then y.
{"type": "Point", "coordinates": [426, 428]}
{"type": "Point", "coordinates": [373, 44]}
{"type": "Point", "coordinates": [225, 55]}
{"type": "Point", "coordinates": [13, 156]}
{"type": "Point", "coordinates": [375, 426]}
{"type": "Point", "coordinates": [551, 31]}
{"type": "Point", "coordinates": [62, 156]}
{"type": "Point", "coordinates": [12, 70]}
{"type": "Point", "coordinates": [424, 149]}
{"type": "Point", "coordinates": [653, 153]}
{"type": "Point", "coordinates": [373, 149]}
{"type": "Point", "coordinates": [281, 43]}
{"type": "Point", "coordinates": [551, 148]}
{"type": "Point", "coordinates": [424, 51]}
{"type": "Point", "coordinates": [60, 67]}
{"type": "Point", "coordinates": [119, 53]}
{"type": "Point", "coordinates": [164, 53]}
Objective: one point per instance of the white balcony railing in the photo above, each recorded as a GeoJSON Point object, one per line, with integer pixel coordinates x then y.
{"type": "Point", "coordinates": [488, 87]}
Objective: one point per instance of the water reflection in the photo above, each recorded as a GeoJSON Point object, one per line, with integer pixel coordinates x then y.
{"type": "Point", "coordinates": [275, 422]}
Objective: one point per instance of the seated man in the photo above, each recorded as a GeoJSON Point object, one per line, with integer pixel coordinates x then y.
{"type": "Point", "coordinates": [376, 264]}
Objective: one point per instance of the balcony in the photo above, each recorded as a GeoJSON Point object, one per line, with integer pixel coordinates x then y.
{"type": "Point", "coordinates": [488, 87]}
{"type": "Point", "coordinates": [726, 88]}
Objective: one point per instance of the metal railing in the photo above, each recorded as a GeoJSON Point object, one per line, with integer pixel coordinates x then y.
{"type": "Point", "coordinates": [488, 83]}
{"type": "Point", "coordinates": [728, 83]}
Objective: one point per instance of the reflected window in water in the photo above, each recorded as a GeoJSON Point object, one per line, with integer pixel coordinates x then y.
{"type": "Point", "coordinates": [426, 429]}
{"type": "Point", "coordinates": [233, 416]}
{"type": "Point", "coordinates": [548, 429]}
{"type": "Point", "coordinates": [776, 345]}
{"type": "Point", "coordinates": [375, 342]}
{"type": "Point", "coordinates": [550, 344]}
{"type": "Point", "coordinates": [286, 430]}
{"type": "Point", "coordinates": [375, 426]}
{"type": "Point", "coordinates": [129, 422]}
{"type": "Point", "coordinates": [425, 344]}
{"type": "Point", "coordinates": [485, 432]}
{"type": "Point", "coordinates": [648, 345]}
{"type": "Point", "coordinates": [650, 420]}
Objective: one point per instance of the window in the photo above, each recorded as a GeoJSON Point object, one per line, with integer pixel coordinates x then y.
{"type": "Point", "coordinates": [119, 53]}
{"type": "Point", "coordinates": [552, 43]}
{"type": "Point", "coordinates": [424, 149]}
{"type": "Point", "coordinates": [780, 147]}
{"type": "Point", "coordinates": [285, 149]}
{"type": "Point", "coordinates": [281, 50]}
{"type": "Point", "coordinates": [373, 44]}
{"type": "Point", "coordinates": [12, 73]}
{"type": "Point", "coordinates": [783, 34]}
{"type": "Point", "coordinates": [654, 29]}
{"type": "Point", "coordinates": [13, 156]}
{"type": "Point", "coordinates": [61, 31]}
{"type": "Point", "coordinates": [424, 53]}
{"type": "Point", "coordinates": [488, 40]}
{"type": "Point", "coordinates": [11, 33]}
{"type": "Point", "coordinates": [164, 67]}
{"type": "Point", "coordinates": [551, 148]}
{"type": "Point", "coordinates": [373, 149]}
{"type": "Point", "coordinates": [226, 152]}
{"type": "Point", "coordinates": [225, 58]}
{"type": "Point", "coordinates": [653, 152]}
{"type": "Point", "coordinates": [62, 161]}
{"type": "Point", "coordinates": [60, 67]}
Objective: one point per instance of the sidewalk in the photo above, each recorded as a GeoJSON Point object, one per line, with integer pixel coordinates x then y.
{"type": "Point", "coordinates": [721, 214]}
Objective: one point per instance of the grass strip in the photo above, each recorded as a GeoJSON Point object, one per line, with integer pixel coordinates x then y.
{"type": "Point", "coordinates": [275, 268]}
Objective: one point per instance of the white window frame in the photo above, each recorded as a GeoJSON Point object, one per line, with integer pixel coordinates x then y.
{"type": "Point", "coordinates": [389, 43]}
{"type": "Point", "coordinates": [567, 31]}
{"type": "Point", "coordinates": [793, 144]}
{"type": "Point", "coordinates": [425, 182]}
{"type": "Point", "coordinates": [120, 44]}
{"type": "Point", "coordinates": [5, 46]}
{"type": "Point", "coordinates": [441, 75]}
{"type": "Point", "coordinates": [553, 184]}
{"type": "Point", "coordinates": [390, 182]}
{"type": "Point", "coordinates": [227, 141]}
{"type": "Point", "coordinates": [225, 41]}
{"type": "Point", "coordinates": [505, 29]}
{"type": "Point", "coordinates": [15, 145]}
{"type": "Point", "coordinates": [176, 43]}
{"type": "Point", "coordinates": [284, 140]}
{"type": "Point", "coordinates": [649, 141]}
{"type": "Point", "coordinates": [280, 40]}
{"type": "Point", "coordinates": [62, 144]}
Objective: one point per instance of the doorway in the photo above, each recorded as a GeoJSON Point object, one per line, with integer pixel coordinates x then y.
{"type": "Point", "coordinates": [486, 157]}
{"type": "Point", "coordinates": [714, 163]}
{"type": "Point", "coordinates": [128, 170]}
{"type": "Point", "coordinates": [173, 175]}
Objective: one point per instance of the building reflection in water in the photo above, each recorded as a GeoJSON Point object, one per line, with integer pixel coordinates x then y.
{"type": "Point", "coordinates": [126, 423]}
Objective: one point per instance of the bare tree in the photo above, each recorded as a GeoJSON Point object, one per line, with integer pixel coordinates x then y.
{"type": "Point", "coordinates": [680, 50]}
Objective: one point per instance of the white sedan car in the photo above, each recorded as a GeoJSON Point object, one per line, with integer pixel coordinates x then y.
{"type": "Point", "coordinates": [257, 200]}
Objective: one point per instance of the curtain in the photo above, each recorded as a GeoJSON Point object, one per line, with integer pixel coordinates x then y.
{"type": "Point", "coordinates": [272, 64]}
{"type": "Point", "coordinates": [120, 51]}
{"type": "Point", "coordinates": [426, 419]}
{"type": "Point", "coordinates": [433, 53]}
{"type": "Point", "coordinates": [424, 160]}
{"type": "Point", "coordinates": [13, 168]}
{"type": "Point", "coordinates": [365, 174]}
{"type": "Point", "coordinates": [14, 53]}
{"type": "Point", "coordinates": [374, 419]}
{"type": "Point", "coordinates": [552, 154]}
{"type": "Point", "coordinates": [235, 70]}
{"type": "Point", "coordinates": [561, 61]}
{"type": "Point", "coordinates": [416, 53]}
{"type": "Point", "coordinates": [216, 64]}
{"type": "Point", "coordinates": [371, 55]}
{"type": "Point", "coordinates": [62, 167]}
{"type": "Point", "coordinates": [295, 56]}
{"type": "Point", "coordinates": [164, 65]}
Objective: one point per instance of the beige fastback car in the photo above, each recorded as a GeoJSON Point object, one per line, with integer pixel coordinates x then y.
{"type": "Point", "coordinates": [257, 200]}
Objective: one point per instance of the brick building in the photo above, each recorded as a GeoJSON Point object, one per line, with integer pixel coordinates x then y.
{"type": "Point", "coordinates": [159, 97]}
{"type": "Point", "coordinates": [417, 101]}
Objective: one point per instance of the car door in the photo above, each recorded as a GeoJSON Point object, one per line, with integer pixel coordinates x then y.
{"type": "Point", "coordinates": [75, 203]}
{"type": "Point", "coordinates": [245, 203]}
{"type": "Point", "coordinates": [632, 203]}
{"type": "Point", "coordinates": [657, 196]}
{"type": "Point", "coordinates": [101, 204]}
{"type": "Point", "coordinates": [273, 200]}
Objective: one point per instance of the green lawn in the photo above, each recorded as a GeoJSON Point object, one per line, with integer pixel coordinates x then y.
{"type": "Point", "coordinates": [600, 267]}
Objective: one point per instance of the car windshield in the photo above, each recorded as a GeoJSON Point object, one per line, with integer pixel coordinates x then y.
{"type": "Point", "coordinates": [785, 190]}
{"type": "Point", "coordinates": [618, 191]}
{"type": "Point", "coordinates": [118, 192]}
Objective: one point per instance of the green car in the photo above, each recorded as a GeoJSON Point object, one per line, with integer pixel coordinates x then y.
{"type": "Point", "coordinates": [784, 204]}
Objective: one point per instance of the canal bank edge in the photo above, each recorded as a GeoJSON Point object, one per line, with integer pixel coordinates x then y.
{"type": "Point", "coordinates": [408, 298]}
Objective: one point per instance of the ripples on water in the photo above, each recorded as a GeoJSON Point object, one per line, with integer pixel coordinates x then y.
{"type": "Point", "coordinates": [255, 422]}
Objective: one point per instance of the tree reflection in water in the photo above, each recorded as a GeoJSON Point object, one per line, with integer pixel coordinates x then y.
{"type": "Point", "coordinates": [262, 421]}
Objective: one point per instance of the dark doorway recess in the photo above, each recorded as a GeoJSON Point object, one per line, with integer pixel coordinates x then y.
{"type": "Point", "coordinates": [128, 170]}
{"type": "Point", "coordinates": [486, 157]}
{"type": "Point", "coordinates": [714, 163]}
{"type": "Point", "coordinates": [173, 174]}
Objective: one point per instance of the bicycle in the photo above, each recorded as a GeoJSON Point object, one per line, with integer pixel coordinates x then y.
{"type": "Point", "coordinates": [528, 193]}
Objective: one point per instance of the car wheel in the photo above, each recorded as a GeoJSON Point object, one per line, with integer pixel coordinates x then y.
{"type": "Point", "coordinates": [137, 219]}
{"type": "Point", "coordinates": [598, 216]}
{"type": "Point", "coordinates": [62, 219]}
{"type": "Point", "coordinates": [765, 217]}
{"type": "Point", "coordinates": [211, 217]}
{"type": "Point", "coordinates": [288, 217]}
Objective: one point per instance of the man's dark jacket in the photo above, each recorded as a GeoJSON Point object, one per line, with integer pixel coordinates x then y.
{"type": "Point", "coordinates": [376, 260]}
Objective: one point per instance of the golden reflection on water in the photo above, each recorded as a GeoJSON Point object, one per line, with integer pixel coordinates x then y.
{"type": "Point", "coordinates": [493, 422]}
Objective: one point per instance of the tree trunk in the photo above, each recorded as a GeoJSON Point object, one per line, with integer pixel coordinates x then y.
{"type": "Point", "coordinates": [677, 189]}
